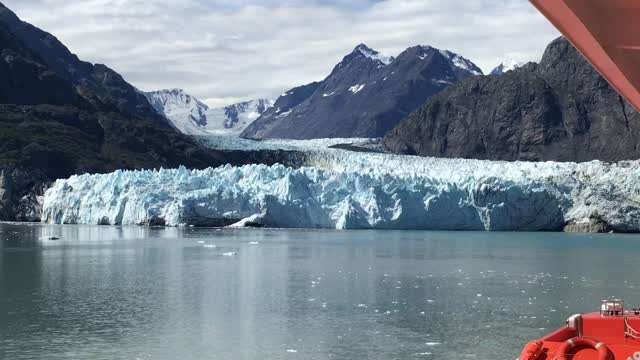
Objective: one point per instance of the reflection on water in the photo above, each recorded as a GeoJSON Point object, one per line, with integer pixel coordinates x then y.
{"type": "Point", "coordinates": [153, 293]}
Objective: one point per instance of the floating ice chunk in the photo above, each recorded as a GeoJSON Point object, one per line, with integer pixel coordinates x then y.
{"type": "Point", "coordinates": [231, 253]}
{"type": "Point", "coordinates": [255, 220]}
{"type": "Point", "coordinates": [292, 351]}
{"type": "Point", "coordinates": [210, 246]}
{"type": "Point", "coordinates": [254, 243]}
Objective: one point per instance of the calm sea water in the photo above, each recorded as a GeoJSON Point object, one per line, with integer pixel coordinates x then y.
{"type": "Point", "coordinates": [141, 293]}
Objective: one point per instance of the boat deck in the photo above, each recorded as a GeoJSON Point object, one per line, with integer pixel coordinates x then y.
{"type": "Point", "coordinates": [617, 332]}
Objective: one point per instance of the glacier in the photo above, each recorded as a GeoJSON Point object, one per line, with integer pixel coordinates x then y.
{"type": "Point", "coordinates": [340, 189]}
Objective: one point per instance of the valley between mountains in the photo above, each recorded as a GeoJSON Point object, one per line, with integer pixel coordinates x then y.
{"type": "Point", "coordinates": [419, 140]}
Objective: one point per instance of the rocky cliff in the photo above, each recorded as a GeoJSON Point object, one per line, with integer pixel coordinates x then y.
{"type": "Point", "coordinates": [560, 109]}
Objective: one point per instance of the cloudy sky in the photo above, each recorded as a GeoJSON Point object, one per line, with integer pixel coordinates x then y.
{"type": "Point", "coordinates": [224, 51]}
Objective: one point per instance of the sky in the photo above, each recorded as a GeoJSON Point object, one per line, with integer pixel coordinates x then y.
{"type": "Point", "coordinates": [226, 51]}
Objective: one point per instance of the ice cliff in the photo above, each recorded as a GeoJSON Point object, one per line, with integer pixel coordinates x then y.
{"type": "Point", "coordinates": [348, 190]}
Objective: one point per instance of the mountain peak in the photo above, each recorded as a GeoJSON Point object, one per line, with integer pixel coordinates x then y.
{"type": "Point", "coordinates": [362, 47]}
{"type": "Point", "coordinates": [462, 66]}
{"type": "Point", "coordinates": [363, 50]}
{"type": "Point", "coordinates": [506, 65]}
{"type": "Point", "coordinates": [362, 96]}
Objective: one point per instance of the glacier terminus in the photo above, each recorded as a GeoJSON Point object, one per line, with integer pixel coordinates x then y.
{"type": "Point", "coordinates": [339, 189]}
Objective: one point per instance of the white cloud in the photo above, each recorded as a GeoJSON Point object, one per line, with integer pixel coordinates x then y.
{"type": "Point", "coordinates": [226, 50]}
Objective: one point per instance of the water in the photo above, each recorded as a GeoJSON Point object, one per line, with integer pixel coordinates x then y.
{"type": "Point", "coordinates": [140, 293]}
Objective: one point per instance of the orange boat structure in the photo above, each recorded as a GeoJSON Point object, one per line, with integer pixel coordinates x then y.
{"type": "Point", "coordinates": [613, 333]}
{"type": "Point", "coordinates": [607, 33]}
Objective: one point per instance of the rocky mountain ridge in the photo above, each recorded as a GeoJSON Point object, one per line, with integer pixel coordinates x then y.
{"type": "Point", "coordinates": [558, 110]}
{"type": "Point", "coordinates": [365, 95]}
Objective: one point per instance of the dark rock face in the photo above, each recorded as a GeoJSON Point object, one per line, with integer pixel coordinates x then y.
{"type": "Point", "coordinates": [60, 116]}
{"type": "Point", "coordinates": [21, 193]}
{"type": "Point", "coordinates": [91, 80]}
{"type": "Point", "coordinates": [365, 95]}
{"type": "Point", "coordinates": [560, 110]}
{"type": "Point", "coordinates": [25, 80]}
{"type": "Point", "coordinates": [6, 195]}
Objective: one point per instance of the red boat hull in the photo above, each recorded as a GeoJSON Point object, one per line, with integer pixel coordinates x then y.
{"type": "Point", "coordinates": [611, 331]}
{"type": "Point", "coordinates": [607, 33]}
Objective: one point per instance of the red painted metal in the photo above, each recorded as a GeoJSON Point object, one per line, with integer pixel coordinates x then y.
{"type": "Point", "coordinates": [607, 33]}
{"type": "Point", "coordinates": [610, 330]}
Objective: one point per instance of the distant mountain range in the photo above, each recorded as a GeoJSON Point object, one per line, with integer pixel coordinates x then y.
{"type": "Point", "coordinates": [366, 94]}
{"type": "Point", "coordinates": [560, 109]}
{"type": "Point", "coordinates": [193, 117]}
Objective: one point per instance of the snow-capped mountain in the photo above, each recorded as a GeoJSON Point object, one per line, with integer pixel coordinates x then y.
{"type": "Point", "coordinates": [187, 113]}
{"type": "Point", "coordinates": [461, 65]}
{"type": "Point", "coordinates": [365, 95]}
{"type": "Point", "coordinates": [506, 65]}
{"type": "Point", "coordinates": [234, 119]}
{"type": "Point", "coordinates": [369, 53]}
{"type": "Point", "coordinates": [193, 117]}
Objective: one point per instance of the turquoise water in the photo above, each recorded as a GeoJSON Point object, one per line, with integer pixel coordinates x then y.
{"type": "Point", "coordinates": [153, 293]}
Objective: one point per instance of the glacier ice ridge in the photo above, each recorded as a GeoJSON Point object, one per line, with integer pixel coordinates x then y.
{"type": "Point", "coordinates": [340, 189]}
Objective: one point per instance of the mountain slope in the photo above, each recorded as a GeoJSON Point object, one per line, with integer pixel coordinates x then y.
{"type": "Point", "coordinates": [560, 109]}
{"type": "Point", "coordinates": [97, 80]}
{"type": "Point", "coordinates": [193, 117]}
{"type": "Point", "coordinates": [365, 95]}
{"type": "Point", "coordinates": [185, 112]}
{"type": "Point", "coordinates": [53, 125]}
